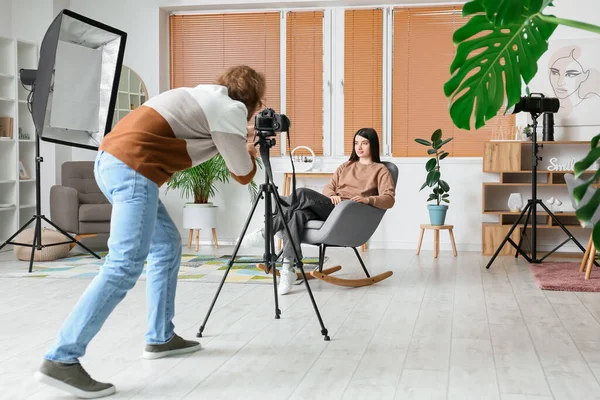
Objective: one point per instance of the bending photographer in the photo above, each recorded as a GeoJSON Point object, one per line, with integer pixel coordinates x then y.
{"type": "Point", "coordinates": [171, 132]}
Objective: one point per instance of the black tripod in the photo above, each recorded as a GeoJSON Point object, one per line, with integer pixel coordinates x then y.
{"type": "Point", "coordinates": [269, 191]}
{"type": "Point", "coordinates": [38, 217]}
{"type": "Point", "coordinates": [531, 210]}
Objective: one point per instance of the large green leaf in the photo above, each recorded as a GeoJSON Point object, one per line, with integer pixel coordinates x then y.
{"type": "Point", "coordinates": [437, 135]}
{"type": "Point", "coordinates": [433, 177]}
{"type": "Point", "coordinates": [498, 59]}
{"type": "Point", "coordinates": [586, 212]}
{"type": "Point", "coordinates": [582, 165]}
{"type": "Point", "coordinates": [444, 185]}
{"type": "Point", "coordinates": [423, 142]}
{"type": "Point", "coordinates": [431, 164]}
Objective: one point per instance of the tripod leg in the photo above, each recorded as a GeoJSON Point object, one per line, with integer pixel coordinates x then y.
{"type": "Point", "coordinates": [230, 263]}
{"type": "Point", "coordinates": [299, 264]}
{"type": "Point", "coordinates": [37, 241]}
{"type": "Point", "coordinates": [565, 230]}
{"type": "Point", "coordinates": [523, 233]}
{"type": "Point", "coordinates": [17, 234]}
{"type": "Point", "coordinates": [508, 239]}
{"type": "Point", "coordinates": [71, 237]}
{"type": "Point", "coordinates": [274, 272]}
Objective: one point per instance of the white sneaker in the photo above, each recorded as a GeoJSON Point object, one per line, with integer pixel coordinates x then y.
{"type": "Point", "coordinates": [287, 277]}
{"type": "Point", "coordinates": [254, 239]}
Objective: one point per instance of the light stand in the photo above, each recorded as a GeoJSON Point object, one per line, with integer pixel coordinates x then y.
{"type": "Point", "coordinates": [26, 77]}
{"type": "Point", "coordinates": [531, 210]}
{"type": "Point", "coordinates": [269, 190]}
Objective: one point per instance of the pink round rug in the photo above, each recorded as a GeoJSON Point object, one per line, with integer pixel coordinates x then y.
{"type": "Point", "coordinates": [564, 276]}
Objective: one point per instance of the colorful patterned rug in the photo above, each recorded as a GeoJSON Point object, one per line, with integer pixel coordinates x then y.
{"type": "Point", "coordinates": [194, 267]}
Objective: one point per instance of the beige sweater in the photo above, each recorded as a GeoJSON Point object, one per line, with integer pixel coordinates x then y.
{"type": "Point", "coordinates": [372, 181]}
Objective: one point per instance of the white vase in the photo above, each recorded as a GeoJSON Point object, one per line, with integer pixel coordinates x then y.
{"type": "Point", "coordinates": [199, 216]}
{"type": "Point", "coordinates": [515, 202]}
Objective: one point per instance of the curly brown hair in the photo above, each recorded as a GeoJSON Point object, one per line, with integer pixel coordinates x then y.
{"type": "Point", "coordinates": [244, 84]}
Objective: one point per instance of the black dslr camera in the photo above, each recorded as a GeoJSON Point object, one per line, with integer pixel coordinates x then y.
{"type": "Point", "coordinates": [268, 121]}
{"type": "Point", "coordinates": [537, 103]}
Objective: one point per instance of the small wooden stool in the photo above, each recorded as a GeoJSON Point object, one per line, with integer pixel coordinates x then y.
{"type": "Point", "coordinates": [214, 232]}
{"type": "Point", "coordinates": [436, 235]}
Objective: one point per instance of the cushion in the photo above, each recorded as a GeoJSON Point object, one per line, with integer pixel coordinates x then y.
{"type": "Point", "coordinates": [47, 253]}
{"type": "Point", "coordinates": [94, 212]}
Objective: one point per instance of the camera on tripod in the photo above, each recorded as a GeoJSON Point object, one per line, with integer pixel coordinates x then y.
{"type": "Point", "coordinates": [269, 122]}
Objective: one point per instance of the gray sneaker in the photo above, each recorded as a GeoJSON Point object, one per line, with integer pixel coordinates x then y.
{"type": "Point", "coordinates": [177, 345]}
{"type": "Point", "coordinates": [74, 379]}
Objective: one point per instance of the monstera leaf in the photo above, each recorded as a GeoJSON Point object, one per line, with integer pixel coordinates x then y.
{"type": "Point", "coordinates": [505, 52]}
{"type": "Point", "coordinates": [497, 49]}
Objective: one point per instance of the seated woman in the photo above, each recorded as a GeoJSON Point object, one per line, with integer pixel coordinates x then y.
{"type": "Point", "coordinates": [362, 179]}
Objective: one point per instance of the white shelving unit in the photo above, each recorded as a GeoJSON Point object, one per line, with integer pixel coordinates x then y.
{"type": "Point", "coordinates": [132, 94]}
{"type": "Point", "coordinates": [18, 193]}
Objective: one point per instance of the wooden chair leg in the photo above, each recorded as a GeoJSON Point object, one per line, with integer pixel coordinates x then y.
{"type": "Point", "coordinates": [590, 264]}
{"type": "Point", "coordinates": [363, 248]}
{"type": "Point", "coordinates": [586, 255]}
{"type": "Point", "coordinates": [215, 237]}
{"type": "Point", "coordinates": [420, 241]}
{"type": "Point", "coordinates": [190, 238]}
{"type": "Point", "coordinates": [452, 241]}
{"type": "Point", "coordinates": [197, 240]}
{"type": "Point", "coordinates": [436, 243]}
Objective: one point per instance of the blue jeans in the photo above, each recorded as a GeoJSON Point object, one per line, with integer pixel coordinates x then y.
{"type": "Point", "coordinates": [140, 229]}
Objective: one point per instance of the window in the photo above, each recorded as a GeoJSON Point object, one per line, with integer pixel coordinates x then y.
{"type": "Point", "coordinates": [203, 45]}
{"type": "Point", "coordinates": [423, 52]}
{"type": "Point", "coordinates": [304, 78]}
{"type": "Point", "coordinates": [363, 55]}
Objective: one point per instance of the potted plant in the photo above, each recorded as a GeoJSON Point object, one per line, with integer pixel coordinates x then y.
{"type": "Point", "coordinates": [437, 212]}
{"type": "Point", "coordinates": [200, 184]}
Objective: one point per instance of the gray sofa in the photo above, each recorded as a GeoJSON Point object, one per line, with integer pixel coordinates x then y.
{"type": "Point", "coordinates": [78, 206]}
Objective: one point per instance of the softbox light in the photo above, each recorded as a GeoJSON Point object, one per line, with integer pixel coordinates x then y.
{"type": "Point", "coordinates": [77, 81]}
{"type": "Point", "coordinates": [74, 93]}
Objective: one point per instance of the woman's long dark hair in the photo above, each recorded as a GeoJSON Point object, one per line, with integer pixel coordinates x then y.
{"type": "Point", "coordinates": [371, 135]}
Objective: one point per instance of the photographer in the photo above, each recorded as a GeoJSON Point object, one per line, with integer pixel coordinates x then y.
{"type": "Point", "coordinates": [171, 132]}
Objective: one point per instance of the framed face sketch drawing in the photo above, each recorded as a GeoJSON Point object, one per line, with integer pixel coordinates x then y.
{"type": "Point", "coordinates": [570, 71]}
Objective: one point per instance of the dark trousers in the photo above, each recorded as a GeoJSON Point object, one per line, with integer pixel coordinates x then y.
{"type": "Point", "coordinates": [309, 205]}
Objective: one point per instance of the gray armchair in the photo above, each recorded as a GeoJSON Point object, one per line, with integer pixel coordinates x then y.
{"type": "Point", "coordinates": [590, 252]}
{"type": "Point", "coordinates": [349, 225]}
{"type": "Point", "coordinates": [78, 206]}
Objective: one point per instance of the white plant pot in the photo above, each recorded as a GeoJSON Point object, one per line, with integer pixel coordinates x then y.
{"type": "Point", "coordinates": [199, 216]}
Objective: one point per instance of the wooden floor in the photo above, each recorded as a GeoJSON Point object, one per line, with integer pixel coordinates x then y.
{"type": "Point", "coordinates": [437, 329]}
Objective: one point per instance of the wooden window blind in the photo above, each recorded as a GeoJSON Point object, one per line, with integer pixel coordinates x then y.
{"type": "Point", "coordinates": [363, 59]}
{"type": "Point", "coordinates": [423, 52]}
{"type": "Point", "coordinates": [304, 79]}
{"type": "Point", "coordinates": [202, 46]}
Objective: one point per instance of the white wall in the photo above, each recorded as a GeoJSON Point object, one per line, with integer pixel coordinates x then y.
{"type": "Point", "coordinates": [145, 23]}
{"type": "Point", "coordinates": [6, 18]}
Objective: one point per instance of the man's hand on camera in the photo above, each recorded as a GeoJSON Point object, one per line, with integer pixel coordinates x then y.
{"type": "Point", "coordinates": [360, 199]}
{"type": "Point", "coordinates": [336, 200]}
{"type": "Point", "coordinates": [250, 134]}
{"type": "Point", "coordinates": [251, 149]}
